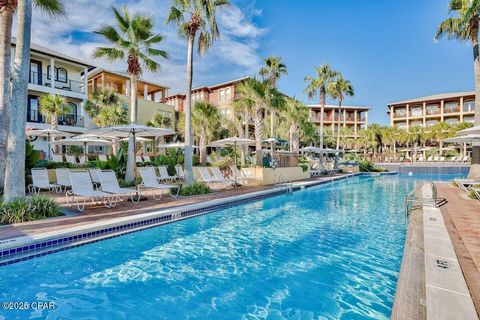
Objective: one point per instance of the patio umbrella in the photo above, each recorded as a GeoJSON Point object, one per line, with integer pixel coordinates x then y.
{"type": "Point", "coordinates": [138, 139]}
{"type": "Point", "coordinates": [82, 141]}
{"type": "Point", "coordinates": [48, 133]}
{"type": "Point", "coordinates": [466, 138]}
{"type": "Point", "coordinates": [472, 130]}
{"type": "Point", "coordinates": [234, 141]}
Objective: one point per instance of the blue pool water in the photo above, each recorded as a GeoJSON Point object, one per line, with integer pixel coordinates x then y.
{"type": "Point", "coordinates": [326, 252]}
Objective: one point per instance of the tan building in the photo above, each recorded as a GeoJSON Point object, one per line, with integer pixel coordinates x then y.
{"type": "Point", "coordinates": [451, 108]}
{"type": "Point", "coordinates": [354, 118]}
{"type": "Point", "coordinates": [151, 96]}
{"type": "Point", "coordinates": [221, 95]}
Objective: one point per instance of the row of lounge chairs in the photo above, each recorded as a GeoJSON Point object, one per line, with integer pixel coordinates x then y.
{"type": "Point", "coordinates": [213, 177]}
{"type": "Point", "coordinates": [102, 157]}
{"type": "Point", "coordinates": [430, 159]}
{"type": "Point", "coordinates": [101, 186]}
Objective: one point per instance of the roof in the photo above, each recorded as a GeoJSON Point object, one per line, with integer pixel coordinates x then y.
{"type": "Point", "coordinates": [334, 106]}
{"type": "Point", "coordinates": [41, 49]}
{"type": "Point", "coordinates": [439, 96]}
{"type": "Point", "coordinates": [122, 74]}
{"type": "Point", "coordinates": [210, 87]}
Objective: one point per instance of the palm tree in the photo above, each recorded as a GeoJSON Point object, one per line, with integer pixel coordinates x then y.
{"type": "Point", "coordinates": [440, 131]}
{"type": "Point", "coordinates": [296, 116]}
{"type": "Point", "coordinates": [415, 136]}
{"type": "Point", "coordinates": [105, 108]}
{"type": "Point", "coordinates": [12, 128]}
{"type": "Point", "coordinates": [51, 107]}
{"type": "Point", "coordinates": [241, 111]}
{"type": "Point", "coordinates": [260, 95]}
{"type": "Point", "coordinates": [272, 70]}
{"type": "Point", "coordinates": [338, 89]}
{"type": "Point", "coordinates": [463, 24]}
{"type": "Point", "coordinates": [325, 75]}
{"type": "Point", "coordinates": [132, 38]}
{"type": "Point", "coordinates": [194, 17]}
{"type": "Point", "coordinates": [205, 122]}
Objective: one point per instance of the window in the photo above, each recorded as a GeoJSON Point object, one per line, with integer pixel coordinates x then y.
{"type": "Point", "coordinates": [61, 74]}
{"type": "Point", "coordinates": [400, 112]}
{"type": "Point", "coordinates": [33, 112]}
{"type": "Point", "coordinates": [401, 125]}
{"type": "Point", "coordinates": [433, 109]}
{"type": "Point", "coordinates": [469, 106]}
{"type": "Point", "coordinates": [69, 116]}
{"type": "Point", "coordinates": [451, 121]}
{"type": "Point", "coordinates": [225, 95]}
{"type": "Point", "coordinates": [430, 123]}
{"type": "Point", "coordinates": [468, 119]}
{"type": "Point", "coordinates": [416, 111]}
{"type": "Point", "coordinates": [416, 123]}
{"type": "Point", "coordinates": [451, 107]}
{"type": "Point", "coordinates": [35, 76]}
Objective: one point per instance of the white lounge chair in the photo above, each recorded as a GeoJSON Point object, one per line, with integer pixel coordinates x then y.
{"type": "Point", "coordinates": [109, 183]}
{"type": "Point", "coordinates": [102, 157]}
{"type": "Point", "coordinates": [429, 159]}
{"type": "Point", "coordinates": [82, 187]}
{"type": "Point", "coordinates": [466, 159]}
{"type": "Point", "coordinates": [63, 179]}
{"type": "Point", "coordinates": [94, 176]}
{"type": "Point", "coordinates": [40, 181]}
{"type": "Point", "coordinates": [57, 157]}
{"type": "Point", "coordinates": [420, 159]}
{"type": "Point", "coordinates": [147, 159]}
{"type": "Point", "coordinates": [464, 184]}
{"type": "Point", "coordinates": [217, 174]}
{"type": "Point", "coordinates": [138, 159]}
{"type": "Point", "coordinates": [71, 159]}
{"type": "Point", "coordinates": [180, 172]}
{"type": "Point", "coordinates": [150, 181]}
{"type": "Point", "coordinates": [206, 177]}
{"type": "Point", "coordinates": [164, 176]}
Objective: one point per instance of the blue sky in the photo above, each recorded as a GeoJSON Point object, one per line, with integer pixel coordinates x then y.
{"type": "Point", "coordinates": [384, 47]}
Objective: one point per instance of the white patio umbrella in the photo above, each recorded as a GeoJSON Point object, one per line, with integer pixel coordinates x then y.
{"type": "Point", "coordinates": [83, 141]}
{"type": "Point", "coordinates": [234, 141]}
{"type": "Point", "coordinates": [472, 130]}
{"type": "Point", "coordinates": [466, 138]}
{"type": "Point", "coordinates": [138, 139]}
{"type": "Point", "coordinates": [49, 133]}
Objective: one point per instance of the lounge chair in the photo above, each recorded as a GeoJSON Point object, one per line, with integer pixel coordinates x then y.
{"type": "Point", "coordinates": [138, 159]}
{"type": "Point", "coordinates": [442, 159]}
{"type": "Point", "coordinates": [94, 176]}
{"type": "Point", "coordinates": [429, 159]}
{"type": "Point", "coordinates": [82, 160]}
{"type": "Point", "coordinates": [109, 183]}
{"type": "Point", "coordinates": [57, 157]}
{"type": "Point", "coordinates": [71, 159]}
{"type": "Point", "coordinates": [464, 184]}
{"type": "Point", "coordinates": [420, 159]}
{"type": "Point", "coordinates": [40, 181]}
{"type": "Point", "coordinates": [63, 179]}
{"type": "Point", "coordinates": [147, 159]}
{"type": "Point", "coordinates": [206, 177]}
{"type": "Point", "coordinates": [82, 187]}
{"type": "Point", "coordinates": [453, 159]}
{"type": "Point", "coordinates": [180, 172]}
{"type": "Point", "coordinates": [217, 174]}
{"type": "Point", "coordinates": [150, 181]}
{"type": "Point", "coordinates": [466, 159]}
{"type": "Point", "coordinates": [102, 157]}
{"type": "Point", "coordinates": [164, 176]}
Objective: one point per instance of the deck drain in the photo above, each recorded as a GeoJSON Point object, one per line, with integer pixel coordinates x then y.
{"type": "Point", "coordinates": [442, 264]}
{"type": "Point", "coordinates": [433, 219]}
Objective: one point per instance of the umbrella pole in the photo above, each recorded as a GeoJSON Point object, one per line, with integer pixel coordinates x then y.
{"type": "Point", "coordinates": [85, 151]}
{"type": "Point", "coordinates": [49, 146]}
{"type": "Point", "coordinates": [235, 171]}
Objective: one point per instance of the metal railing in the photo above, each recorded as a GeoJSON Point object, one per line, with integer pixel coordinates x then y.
{"type": "Point", "coordinates": [411, 198]}
{"type": "Point", "coordinates": [62, 84]}
{"type": "Point", "coordinates": [283, 180]}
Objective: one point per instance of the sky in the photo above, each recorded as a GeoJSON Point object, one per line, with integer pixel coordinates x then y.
{"type": "Point", "coordinates": [386, 48]}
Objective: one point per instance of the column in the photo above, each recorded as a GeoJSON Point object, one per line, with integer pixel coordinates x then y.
{"type": "Point", "coordinates": [461, 109]}
{"type": "Point", "coordinates": [424, 113]}
{"type": "Point", "coordinates": [407, 115]}
{"type": "Point", "coordinates": [442, 105]}
{"type": "Point", "coordinates": [85, 81]}
{"type": "Point", "coordinates": [355, 117]}
{"type": "Point", "coordinates": [145, 91]}
{"type": "Point", "coordinates": [52, 72]}
{"type": "Point", "coordinates": [344, 118]}
{"type": "Point", "coordinates": [127, 88]}
{"type": "Point", "coordinates": [366, 119]}
{"type": "Point", "coordinates": [103, 80]}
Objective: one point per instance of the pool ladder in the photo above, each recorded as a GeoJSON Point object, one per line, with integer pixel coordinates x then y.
{"type": "Point", "coordinates": [283, 180]}
{"type": "Point", "coordinates": [411, 199]}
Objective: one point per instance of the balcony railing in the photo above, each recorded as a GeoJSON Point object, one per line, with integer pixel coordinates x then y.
{"type": "Point", "coordinates": [452, 110]}
{"type": "Point", "coordinates": [68, 85]}
{"type": "Point", "coordinates": [63, 120]}
{"type": "Point", "coordinates": [432, 112]}
{"type": "Point", "coordinates": [399, 114]}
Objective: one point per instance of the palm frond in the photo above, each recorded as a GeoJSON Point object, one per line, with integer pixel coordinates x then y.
{"type": "Point", "coordinates": [111, 54]}
{"type": "Point", "coordinates": [52, 8]}
{"type": "Point", "coordinates": [109, 33]}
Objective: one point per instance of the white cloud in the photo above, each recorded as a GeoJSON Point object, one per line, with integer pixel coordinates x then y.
{"type": "Point", "coordinates": [235, 54]}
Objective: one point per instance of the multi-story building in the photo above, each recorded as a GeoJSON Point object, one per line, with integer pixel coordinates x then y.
{"type": "Point", "coordinates": [451, 108]}
{"type": "Point", "coordinates": [52, 72]}
{"type": "Point", "coordinates": [354, 118]}
{"type": "Point", "coordinates": [221, 95]}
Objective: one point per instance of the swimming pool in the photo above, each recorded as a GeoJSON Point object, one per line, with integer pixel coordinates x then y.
{"type": "Point", "coordinates": [328, 252]}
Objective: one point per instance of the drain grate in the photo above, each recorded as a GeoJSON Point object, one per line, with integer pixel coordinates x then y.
{"type": "Point", "coordinates": [442, 264]}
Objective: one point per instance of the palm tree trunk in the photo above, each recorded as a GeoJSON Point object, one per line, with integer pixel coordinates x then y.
{"type": "Point", "coordinates": [203, 147]}
{"type": "Point", "coordinates": [258, 134]}
{"type": "Point", "coordinates": [5, 74]}
{"type": "Point", "coordinates": [15, 162]}
{"type": "Point", "coordinates": [474, 172]}
{"type": "Point", "coordinates": [323, 100]}
{"type": "Point", "coordinates": [339, 124]}
{"type": "Point", "coordinates": [188, 114]}
{"type": "Point", "coordinates": [131, 159]}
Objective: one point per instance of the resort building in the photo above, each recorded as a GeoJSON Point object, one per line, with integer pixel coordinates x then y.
{"type": "Point", "coordinates": [451, 108]}
{"type": "Point", "coordinates": [52, 72]}
{"type": "Point", "coordinates": [151, 96]}
{"type": "Point", "coordinates": [221, 95]}
{"type": "Point", "coordinates": [353, 118]}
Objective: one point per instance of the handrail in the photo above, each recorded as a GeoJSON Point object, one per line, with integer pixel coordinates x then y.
{"type": "Point", "coordinates": [410, 198]}
{"type": "Point", "coordinates": [285, 180]}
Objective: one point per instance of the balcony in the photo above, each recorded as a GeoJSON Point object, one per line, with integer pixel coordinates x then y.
{"type": "Point", "coordinates": [67, 85]}
{"type": "Point", "coordinates": [64, 120]}
{"type": "Point", "coordinates": [432, 112]}
{"type": "Point", "coordinates": [451, 109]}
{"type": "Point", "coordinates": [399, 114]}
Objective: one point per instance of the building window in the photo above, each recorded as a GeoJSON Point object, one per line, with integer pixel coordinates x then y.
{"type": "Point", "coordinates": [430, 123]}
{"type": "Point", "coordinates": [451, 107]}
{"type": "Point", "coordinates": [401, 125]}
{"type": "Point", "coordinates": [468, 119]}
{"type": "Point", "coordinates": [451, 121]}
{"type": "Point", "coordinates": [416, 123]}
{"type": "Point", "coordinates": [61, 74]}
{"type": "Point", "coordinates": [33, 110]}
{"type": "Point", "coordinates": [416, 111]}
{"type": "Point", "coordinates": [469, 106]}
{"type": "Point", "coordinates": [69, 115]}
{"type": "Point", "coordinates": [400, 112]}
{"type": "Point", "coordinates": [433, 109]}
{"type": "Point", "coordinates": [225, 95]}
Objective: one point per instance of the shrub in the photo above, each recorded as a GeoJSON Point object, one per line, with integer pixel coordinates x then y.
{"type": "Point", "coordinates": [367, 166]}
{"type": "Point", "coordinates": [28, 209]}
{"type": "Point", "coordinates": [192, 190]}
{"type": "Point", "coordinates": [53, 164]}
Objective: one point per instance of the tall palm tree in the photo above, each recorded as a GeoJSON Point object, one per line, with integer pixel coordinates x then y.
{"type": "Point", "coordinates": [194, 19]}
{"type": "Point", "coordinates": [440, 131]}
{"type": "Point", "coordinates": [296, 116]}
{"type": "Point", "coordinates": [12, 128]}
{"type": "Point", "coordinates": [339, 89]}
{"type": "Point", "coordinates": [463, 24]}
{"type": "Point", "coordinates": [318, 85]}
{"type": "Point", "coordinates": [205, 122]}
{"type": "Point", "coordinates": [241, 111]}
{"type": "Point", "coordinates": [132, 38]}
{"type": "Point", "coordinates": [260, 95]}
{"type": "Point", "coordinates": [272, 70]}
{"type": "Point", "coordinates": [105, 108]}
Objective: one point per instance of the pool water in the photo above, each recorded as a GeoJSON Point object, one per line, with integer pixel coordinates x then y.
{"type": "Point", "coordinates": [326, 252]}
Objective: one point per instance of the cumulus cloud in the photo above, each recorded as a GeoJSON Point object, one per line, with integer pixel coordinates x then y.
{"type": "Point", "coordinates": [234, 55]}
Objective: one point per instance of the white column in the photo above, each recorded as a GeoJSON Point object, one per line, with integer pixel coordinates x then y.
{"type": "Point", "coordinates": [461, 109]}
{"type": "Point", "coordinates": [366, 119]}
{"type": "Point", "coordinates": [52, 72]}
{"type": "Point", "coordinates": [85, 81]}
{"type": "Point", "coordinates": [145, 91]}
{"type": "Point", "coordinates": [127, 88]}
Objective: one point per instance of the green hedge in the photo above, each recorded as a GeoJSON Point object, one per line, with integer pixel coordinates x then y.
{"type": "Point", "coordinates": [28, 209]}
{"type": "Point", "coordinates": [192, 190]}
